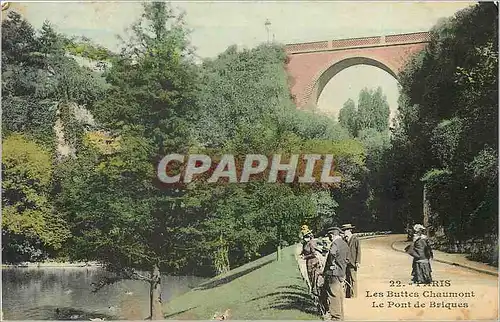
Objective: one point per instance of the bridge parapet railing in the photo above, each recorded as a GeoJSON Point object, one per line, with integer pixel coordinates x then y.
{"type": "Point", "coordinates": [310, 46]}
{"type": "Point", "coordinates": [408, 38]}
{"type": "Point", "coordinates": [355, 42]}
{"type": "Point", "coordinates": [337, 44]}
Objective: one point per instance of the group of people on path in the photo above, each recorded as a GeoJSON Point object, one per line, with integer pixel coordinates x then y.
{"type": "Point", "coordinates": [332, 268]}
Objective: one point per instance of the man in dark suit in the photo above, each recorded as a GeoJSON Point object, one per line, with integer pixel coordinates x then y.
{"type": "Point", "coordinates": [332, 292]}
{"type": "Point", "coordinates": [353, 261]}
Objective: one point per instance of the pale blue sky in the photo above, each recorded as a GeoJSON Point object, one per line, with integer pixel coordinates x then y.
{"type": "Point", "coordinates": [217, 25]}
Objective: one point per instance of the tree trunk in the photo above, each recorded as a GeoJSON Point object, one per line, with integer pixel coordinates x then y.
{"type": "Point", "coordinates": [427, 210]}
{"type": "Point", "coordinates": [155, 309]}
{"type": "Point", "coordinates": [278, 251]}
{"type": "Point", "coordinates": [221, 258]}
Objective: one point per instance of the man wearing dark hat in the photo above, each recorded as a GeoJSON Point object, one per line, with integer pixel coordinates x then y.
{"type": "Point", "coordinates": [353, 261]}
{"type": "Point", "coordinates": [332, 292]}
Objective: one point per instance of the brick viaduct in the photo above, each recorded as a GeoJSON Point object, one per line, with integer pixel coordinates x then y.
{"type": "Point", "coordinates": [311, 65]}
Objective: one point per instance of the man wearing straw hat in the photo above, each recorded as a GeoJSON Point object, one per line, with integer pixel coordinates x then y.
{"type": "Point", "coordinates": [353, 261]}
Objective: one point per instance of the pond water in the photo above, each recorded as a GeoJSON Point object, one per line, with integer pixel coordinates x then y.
{"type": "Point", "coordinates": [66, 294]}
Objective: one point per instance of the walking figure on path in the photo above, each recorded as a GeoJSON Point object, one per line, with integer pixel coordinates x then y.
{"type": "Point", "coordinates": [353, 261]}
{"type": "Point", "coordinates": [332, 292]}
{"type": "Point", "coordinates": [421, 252]}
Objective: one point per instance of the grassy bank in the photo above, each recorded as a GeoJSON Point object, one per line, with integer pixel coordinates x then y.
{"type": "Point", "coordinates": [263, 289]}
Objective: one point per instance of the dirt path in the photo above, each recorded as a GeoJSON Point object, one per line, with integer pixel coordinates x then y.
{"type": "Point", "coordinates": [380, 265]}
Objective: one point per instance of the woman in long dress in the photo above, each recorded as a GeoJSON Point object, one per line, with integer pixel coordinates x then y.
{"type": "Point", "coordinates": [421, 252]}
{"type": "Point", "coordinates": [312, 262]}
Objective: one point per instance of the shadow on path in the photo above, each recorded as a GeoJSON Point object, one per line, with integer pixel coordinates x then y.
{"type": "Point", "coordinates": [280, 294]}
{"type": "Point", "coordinates": [302, 289]}
{"type": "Point", "coordinates": [166, 316]}
{"type": "Point", "coordinates": [232, 277]}
{"type": "Point", "coordinates": [292, 297]}
{"type": "Point", "coordinates": [295, 302]}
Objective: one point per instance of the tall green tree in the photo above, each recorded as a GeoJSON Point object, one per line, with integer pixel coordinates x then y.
{"type": "Point", "coordinates": [377, 144]}
{"type": "Point", "coordinates": [148, 108]}
{"type": "Point", "coordinates": [24, 82]}
{"type": "Point", "coordinates": [348, 117]}
{"type": "Point", "coordinates": [373, 110]}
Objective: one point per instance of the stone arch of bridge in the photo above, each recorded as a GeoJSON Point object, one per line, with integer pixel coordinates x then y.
{"type": "Point", "coordinates": [326, 75]}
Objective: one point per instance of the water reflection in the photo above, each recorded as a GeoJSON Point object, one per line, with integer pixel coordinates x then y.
{"type": "Point", "coordinates": [66, 293]}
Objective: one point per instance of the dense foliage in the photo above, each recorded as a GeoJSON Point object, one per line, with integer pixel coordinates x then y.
{"type": "Point", "coordinates": [446, 135]}
{"type": "Point", "coordinates": [39, 83]}
{"type": "Point", "coordinates": [368, 122]}
{"type": "Point", "coordinates": [252, 112]}
{"type": "Point", "coordinates": [372, 112]}
{"type": "Point", "coordinates": [31, 227]}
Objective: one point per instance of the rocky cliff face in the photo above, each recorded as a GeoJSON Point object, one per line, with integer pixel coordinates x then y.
{"type": "Point", "coordinates": [81, 115]}
{"type": "Point", "coordinates": [95, 66]}
{"type": "Point", "coordinates": [64, 149]}
{"type": "Point", "coordinates": [76, 113]}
